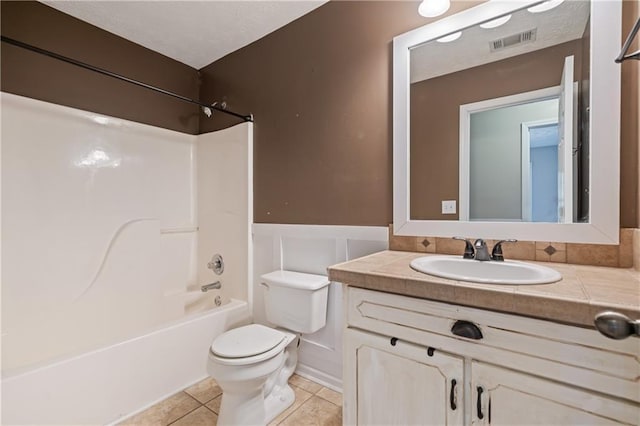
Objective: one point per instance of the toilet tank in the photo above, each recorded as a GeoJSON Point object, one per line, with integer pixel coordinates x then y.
{"type": "Point", "coordinates": [296, 301]}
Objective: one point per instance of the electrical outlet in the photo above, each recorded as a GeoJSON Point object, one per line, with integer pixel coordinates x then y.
{"type": "Point", "coordinates": [448, 206]}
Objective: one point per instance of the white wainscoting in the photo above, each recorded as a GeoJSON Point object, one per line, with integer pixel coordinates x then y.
{"type": "Point", "coordinates": [311, 249]}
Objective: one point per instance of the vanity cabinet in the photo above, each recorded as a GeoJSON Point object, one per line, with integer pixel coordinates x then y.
{"type": "Point", "coordinates": [403, 365]}
{"type": "Point", "coordinates": [506, 397]}
{"type": "Point", "coordinates": [400, 384]}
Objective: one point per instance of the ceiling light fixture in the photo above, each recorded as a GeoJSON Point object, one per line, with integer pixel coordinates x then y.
{"type": "Point", "coordinates": [450, 37]}
{"type": "Point", "coordinates": [543, 7]}
{"type": "Point", "coordinates": [433, 8]}
{"type": "Point", "coordinates": [496, 22]}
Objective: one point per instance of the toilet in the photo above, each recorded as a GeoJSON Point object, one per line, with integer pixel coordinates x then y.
{"type": "Point", "coordinates": [252, 364]}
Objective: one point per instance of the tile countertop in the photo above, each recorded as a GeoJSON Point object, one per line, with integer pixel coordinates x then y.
{"type": "Point", "coordinates": [583, 291]}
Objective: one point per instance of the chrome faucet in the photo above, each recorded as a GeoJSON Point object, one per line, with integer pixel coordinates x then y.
{"type": "Point", "coordinates": [212, 286]}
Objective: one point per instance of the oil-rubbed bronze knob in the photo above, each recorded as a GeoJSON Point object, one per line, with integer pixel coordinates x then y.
{"type": "Point", "coordinates": [466, 329]}
{"type": "Point", "coordinates": [616, 325]}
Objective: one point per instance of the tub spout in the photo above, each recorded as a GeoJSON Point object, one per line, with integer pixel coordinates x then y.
{"type": "Point", "coordinates": [211, 286]}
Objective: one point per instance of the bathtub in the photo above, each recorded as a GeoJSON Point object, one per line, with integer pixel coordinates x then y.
{"type": "Point", "coordinates": [115, 382]}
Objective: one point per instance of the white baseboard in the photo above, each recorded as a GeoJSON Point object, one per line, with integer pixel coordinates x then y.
{"type": "Point", "coordinates": [315, 375]}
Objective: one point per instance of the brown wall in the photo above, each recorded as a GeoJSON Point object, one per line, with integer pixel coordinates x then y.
{"type": "Point", "coordinates": [435, 112]}
{"type": "Point", "coordinates": [33, 75]}
{"type": "Point", "coordinates": [320, 91]}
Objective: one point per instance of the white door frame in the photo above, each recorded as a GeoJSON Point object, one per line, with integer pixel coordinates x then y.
{"type": "Point", "coordinates": [566, 134]}
{"type": "Point", "coordinates": [465, 133]}
{"type": "Point", "coordinates": [527, 205]}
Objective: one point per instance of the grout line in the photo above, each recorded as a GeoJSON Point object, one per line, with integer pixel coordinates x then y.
{"type": "Point", "coordinates": [210, 410]}
{"type": "Point", "coordinates": [208, 400]}
{"type": "Point", "coordinates": [205, 404]}
{"type": "Point", "coordinates": [291, 413]}
{"type": "Point", "coordinates": [186, 414]}
{"type": "Point", "coordinates": [325, 399]}
{"type": "Point", "coordinates": [294, 387]}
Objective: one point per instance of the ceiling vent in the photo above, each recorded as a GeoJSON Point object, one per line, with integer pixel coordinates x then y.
{"type": "Point", "coordinates": [513, 40]}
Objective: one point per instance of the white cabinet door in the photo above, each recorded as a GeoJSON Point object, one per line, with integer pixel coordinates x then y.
{"type": "Point", "coordinates": [400, 384]}
{"type": "Point", "coordinates": [506, 397]}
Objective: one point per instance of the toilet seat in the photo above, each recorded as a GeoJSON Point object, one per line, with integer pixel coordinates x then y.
{"type": "Point", "coordinates": [248, 345]}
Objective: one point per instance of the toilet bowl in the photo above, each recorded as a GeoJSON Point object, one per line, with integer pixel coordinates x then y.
{"type": "Point", "coordinates": [252, 364]}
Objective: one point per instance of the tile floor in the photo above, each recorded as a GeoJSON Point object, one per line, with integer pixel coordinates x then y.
{"type": "Point", "coordinates": [200, 403]}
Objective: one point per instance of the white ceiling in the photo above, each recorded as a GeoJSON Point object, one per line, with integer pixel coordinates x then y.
{"type": "Point", "coordinates": [564, 23]}
{"type": "Point", "coordinates": [193, 32]}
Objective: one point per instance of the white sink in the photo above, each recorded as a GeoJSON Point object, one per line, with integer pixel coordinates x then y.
{"type": "Point", "coordinates": [509, 272]}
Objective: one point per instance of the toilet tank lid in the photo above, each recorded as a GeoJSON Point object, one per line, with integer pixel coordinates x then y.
{"type": "Point", "coordinates": [296, 280]}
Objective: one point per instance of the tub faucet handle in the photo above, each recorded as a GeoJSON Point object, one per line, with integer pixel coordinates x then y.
{"type": "Point", "coordinates": [216, 264]}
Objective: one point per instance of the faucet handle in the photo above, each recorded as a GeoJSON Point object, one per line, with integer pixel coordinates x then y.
{"type": "Point", "coordinates": [469, 253]}
{"type": "Point", "coordinates": [496, 253]}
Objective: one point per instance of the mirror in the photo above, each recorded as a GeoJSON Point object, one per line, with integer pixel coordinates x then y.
{"type": "Point", "coordinates": [506, 123]}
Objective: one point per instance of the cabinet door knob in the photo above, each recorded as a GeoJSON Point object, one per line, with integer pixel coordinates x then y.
{"type": "Point", "coordinates": [616, 325]}
{"type": "Point", "coordinates": [479, 403]}
{"type": "Point", "coordinates": [466, 329]}
{"type": "Point", "coordinates": [453, 395]}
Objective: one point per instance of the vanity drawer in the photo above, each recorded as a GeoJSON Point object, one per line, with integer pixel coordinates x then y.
{"type": "Point", "coordinates": [561, 352]}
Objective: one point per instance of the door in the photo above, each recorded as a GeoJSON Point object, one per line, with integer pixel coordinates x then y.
{"type": "Point", "coordinates": [565, 146]}
{"type": "Point", "coordinates": [507, 397]}
{"type": "Point", "coordinates": [540, 170]}
{"type": "Point", "coordinates": [400, 384]}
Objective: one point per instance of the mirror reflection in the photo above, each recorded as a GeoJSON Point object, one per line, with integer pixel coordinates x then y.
{"type": "Point", "coordinates": [499, 120]}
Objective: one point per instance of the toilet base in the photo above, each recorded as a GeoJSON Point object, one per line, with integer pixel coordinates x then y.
{"type": "Point", "coordinates": [242, 408]}
{"type": "Point", "coordinates": [278, 400]}
{"type": "Point", "coordinates": [256, 399]}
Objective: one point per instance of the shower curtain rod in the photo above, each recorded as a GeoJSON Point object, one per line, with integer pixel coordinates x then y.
{"type": "Point", "coordinates": [204, 107]}
{"type": "Point", "coordinates": [623, 54]}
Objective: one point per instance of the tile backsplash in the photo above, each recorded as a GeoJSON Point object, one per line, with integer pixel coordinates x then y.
{"type": "Point", "coordinates": [624, 255]}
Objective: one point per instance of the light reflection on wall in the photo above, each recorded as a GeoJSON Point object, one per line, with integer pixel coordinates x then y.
{"type": "Point", "coordinates": [96, 159]}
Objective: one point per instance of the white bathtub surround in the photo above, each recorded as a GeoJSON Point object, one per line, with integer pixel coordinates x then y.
{"type": "Point", "coordinates": [311, 249]}
{"type": "Point", "coordinates": [115, 382]}
{"type": "Point", "coordinates": [100, 244]}
{"type": "Point", "coordinates": [225, 208]}
{"type": "Point", "coordinates": [85, 198]}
